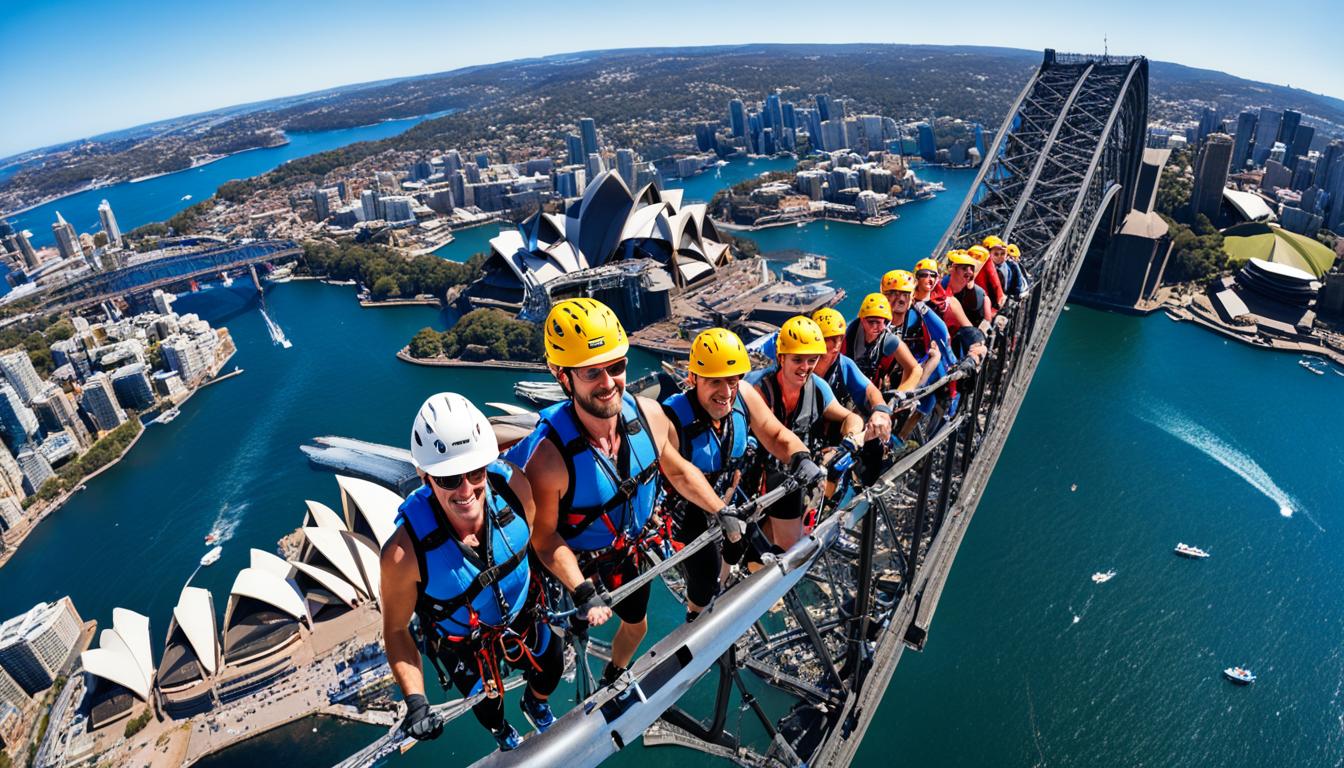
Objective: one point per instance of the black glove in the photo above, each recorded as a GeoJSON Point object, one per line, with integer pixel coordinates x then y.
{"type": "Point", "coordinates": [733, 525]}
{"type": "Point", "coordinates": [586, 598]}
{"type": "Point", "coordinates": [420, 723]}
{"type": "Point", "coordinates": [802, 467]}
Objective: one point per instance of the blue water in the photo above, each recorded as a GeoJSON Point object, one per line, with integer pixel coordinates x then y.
{"type": "Point", "coordinates": [159, 198]}
{"type": "Point", "coordinates": [1169, 433]}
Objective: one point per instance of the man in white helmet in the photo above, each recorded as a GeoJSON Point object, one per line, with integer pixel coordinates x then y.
{"type": "Point", "coordinates": [459, 560]}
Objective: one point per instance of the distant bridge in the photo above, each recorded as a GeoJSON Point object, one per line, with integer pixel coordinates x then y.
{"type": "Point", "coordinates": [865, 584]}
{"type": "Point", "coordinates": [171, 268]}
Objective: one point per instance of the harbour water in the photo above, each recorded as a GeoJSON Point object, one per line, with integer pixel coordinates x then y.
{"type": "Point", "coordinates": [1169, 434]}
{"type": "Point", "coordinates": [158, 198]}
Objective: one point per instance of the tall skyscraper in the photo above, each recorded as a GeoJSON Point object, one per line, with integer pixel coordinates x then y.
{"type": "Point", "coordinates": [56, 411]}
{"type": "Point", "coordinates": [737, 118]}
{"type": "Point", "coordinates": [1241, 150]}
{"type": "Point", "coordinates": [17, 421]}
{"type": "Point", "coordinates": [36, 469]}
{"type": "Point", "coordinates": [823, 106]}
{"type": "Point", "coordinates": [1266, 133]}
{"type": "Point", "coordinates": [790, 116]}
{"type": "Point", "coordinates": [18, 370]}
{"type": "Point", "coordinates": [588, 132]}
{"type": "Point", "coordinates": [928, 146]}
{"type": "Point", "coordinates": [1301, 145]}
{"type": "Point", "coordinates": [1215, 157]}
{"type": "Point", "coordinates": [30, 256]}
{"type": "Point", "coordinates": [595, 166]}
{"type": "Point", "coordinates": [35, 645]}
{"type": "Point", "coordinates": [774, 112]}
{"type": "Point", "coordinates": [1288, 128]}
{"type": "Point", "coordinates": [625, 165]}
{"type": "Point", "coordinates": [109, 221]}
{"type": "Point", "coordinates": [1208, 123]}
{"type": "Point", "coordinates": [67, 242]}
{"type": "Point", "coordinates": [574, 150]}
{"type": "Point", "coordinates": [100, 401]}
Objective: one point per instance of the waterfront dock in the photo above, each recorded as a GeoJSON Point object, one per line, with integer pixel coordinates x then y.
{"type": "Point", "coordinates": [404, 354]}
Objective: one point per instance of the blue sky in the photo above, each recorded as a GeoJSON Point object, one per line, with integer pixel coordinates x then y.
{"type": "Point", "coordinates": [75, 68]}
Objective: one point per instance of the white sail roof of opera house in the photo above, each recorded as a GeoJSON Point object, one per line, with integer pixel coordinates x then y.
{"type": "Point", "coordinates": [321, 515]}
{"type": "Point", "coordinates": [195, 616]}
{"type": "Point", "coordinates": [369, 507]}
{"type": "Point", "coordinates": [330, 582]}
{"type": "Point", "coordinates": [333, 545]}
{"type": "Point", "coordinates": [368, 564]}
{"type": "Point", "coordinates": [123, 655]}
{"type": "Point", "coordinates": [265, 586]}
{"type": "Point", "coordinates": [269, 562]}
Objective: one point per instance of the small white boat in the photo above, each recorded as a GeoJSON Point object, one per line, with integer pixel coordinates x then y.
{"type": "Point", "coordinates": [1307, 365]}
{"type": "Point", "coordinates": [1101, 578]}
{"type": "Point", "coordinates": [212, 538]}
{"type": "Point", "coordinates": [1239, 675]}
{"type": "Point", "coordinates": [542, 393]}
{"type": "Point", "coordinates": [211, 557]}
{"type": "Point", "coordinates": [167, 416]}
{"type": "Point", "coordinates": [1185, 550]}
{"type": "Point", "coordinates": [186, 197]}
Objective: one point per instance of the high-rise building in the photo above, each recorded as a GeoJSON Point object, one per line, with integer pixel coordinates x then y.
{"type": "Point", "coordinates": [1266, 133]}
{"type": "Point", "coordinates": [17, 421]}
{"type": "Point", "coordinates": [774, 112]}
{"type": "Point", "coordinates": [1241, 150]}
{"type": "Point", "coordinates": [11, 513]}
{"type": "Point", "coordinates": [36, 468]}
{"type": "Point", "coordinates": [1277, 176]}
{"type": "Point", "coordinates": [35, 646]}
{"type": "Point", "coordinates": [928, 147]}
{"type": "Point", "coordinates": [790, 116]}
{"type": "Point", "coordinates": [11, 477]}
{"type": "Point", "coordinates": [326, 202]}
{"type": "Point", "coordinates": [31, 259]}
{"type": "Point", "coordinates": [823, 106]}
{"type": "Point", "coordinates": [595, 165]}
{"type": "Point", "coordinates": [368, 204]}
{"type": "Point", "coordinates": [737, 118]}
{"type": "Point", "coordinates": [130, 383]}
{"type": "Point", "coordinates": [1301, 145]}
{"type": "Point", "coordinates": [1334, 185]}
{"type": "Point", "coordinates": [17, 368]}
{"type": "Point", "coordinates": [67, 242]}
{"type": "Point", "coordinates": [56, 411]}
{"type": "Point", "coordinates": [1303, 172]}
{"type": "Point", "coordinates": [110, 227]}
{"type": "Point", "coordinates": [1288, 128]}
{"type": "Point", "coordinates": [99, 400]}
{"type": "Point", "coordinates": [1208, 123]}
{"type": "Point", "coordinates": [13, 696]}
{"type": "Point", "coordinates": [625, 166]}
{"type": "Point", "coordinates": [588, 132]}
{"type": "Point", "coordinates": [574, 149]}
{"type": "Point", "coordinates": [163, 301]}
{"type": "Point", "coordinates": [1215, 157]}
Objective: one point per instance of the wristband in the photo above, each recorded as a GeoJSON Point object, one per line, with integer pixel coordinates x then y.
{"type": "Point", "coordinates": [584, 592]}
{"type": "Point", "coordinates": [883, 408]}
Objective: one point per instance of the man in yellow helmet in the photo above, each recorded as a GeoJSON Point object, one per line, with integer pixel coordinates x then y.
{"type": "Point", "coordinates": [852, 385]}
{"type": "Point", "coordinates": [804, 403]}
{"type": "Point", "coordinates": [711, 423]}
{"type": "Point", "coordinates": [986, 276]}
{"type": "Point", "coordinates": [1011, 274]}
{"type": "Point", "coordinates": [923, 331]}
{"type": "Point", "coordinates": [594, 471]}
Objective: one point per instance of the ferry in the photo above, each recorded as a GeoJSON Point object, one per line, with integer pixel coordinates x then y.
{"type": "Point", "coordinates": [167, 416]}
{"type": "Point", "coordinates": [811, 268]}
{"type": "Point", "coordinates": [282, 274]}
{"type": "Point", "coordinates": [211, 557]}
{"type": "Point", "coordinates": [1239, 675]}
{"type": "Point", "coordinates": [211, 538]}
{"type": "Point", "coordinates": [1185, 550]}
{"type": "Point", "coordinates": [1102, 578]}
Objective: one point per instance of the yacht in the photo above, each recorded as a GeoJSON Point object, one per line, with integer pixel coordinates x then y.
{"type": "Point", "coordinates": [211, 557]}
{"type": "Point", "coordinates": [1185, 550]}
{"type": "Point", "coordinates": [1239, 675]}
{"type": "Point", "coordinates": [1101, 578]}
{"type": "Point", "coordinates": [808, 269]}
{"type": "Point", "coordinates": [167, 416]}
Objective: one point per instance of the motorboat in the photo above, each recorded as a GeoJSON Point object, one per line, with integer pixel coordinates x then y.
{"type": "Point", "coordinates": [1239, 675]}
{"type": "Point", "coordinates": [1307, 365]}
{"type": "Point", "coordinates": [808, 269]}
{"type": "Point", "coordinates": [1185, 550]}
{"type": "Point", "coordinates": [212, 538]}
{"type": "Point", "coordinates": [167, 416]}
{"type": "Point", "coordinates": [211, 557]}
{"type": "Point", "coordinates": [1101, 578]}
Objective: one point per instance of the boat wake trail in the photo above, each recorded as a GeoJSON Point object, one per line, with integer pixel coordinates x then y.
{"type": "Point", "coordinates": [1177, 425]}
{"type": "Point", "coordinates": [226, 522]}
{"type": "Point", "coordinates": [277, 333]}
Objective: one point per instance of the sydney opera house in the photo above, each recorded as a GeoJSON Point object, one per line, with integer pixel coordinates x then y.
{"type": "Point", "coordinates": [598, 240]}
{"type": "Point", "coordinates": [280, 615]}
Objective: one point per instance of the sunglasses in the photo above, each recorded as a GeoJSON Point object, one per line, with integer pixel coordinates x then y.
{"type": "Point", "coordinates": [451, 482]}
{"type": "Point", "coordinates": [925, 273]}
{"type": "Point", "coordinates": [594, 374]}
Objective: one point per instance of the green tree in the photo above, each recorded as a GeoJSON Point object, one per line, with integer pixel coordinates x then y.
{"type": "Point", "coordinates": [426, 343]}
{"type": "Point", "coordinates": [385, 288]}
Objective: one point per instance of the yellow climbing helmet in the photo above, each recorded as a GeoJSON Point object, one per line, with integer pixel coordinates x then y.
{"type": "Point", "coordinates": [993, 241]}
{"type": "Point", "coordinates": [830, 321]}
{"type": "Point", "coordinates": [800, 336]}
{"type": "Point", "coordinates": [718, 352]}
{"type": "Point", "coordinates": [978, 252]}
{"type": "Point", "coordinates": [875, 305]}
{"type": "Point", "coordinates": [583, 332]}
{"type": "Point", "coordinates": [930, 264]}
{"type": "Point", "coordinates": [899, 280]}
{"type": "Point", "coordinates": [962, 257]}
{"type": "Point", "coordinates": [1014, 251]}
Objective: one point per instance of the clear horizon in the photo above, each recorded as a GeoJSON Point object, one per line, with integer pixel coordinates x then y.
{"type": "Point", "coordinates": [153, 60]}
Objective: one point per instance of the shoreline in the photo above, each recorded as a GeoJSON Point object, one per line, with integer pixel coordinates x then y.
{"type": "Point", "coordinates": [1186, 314]}
{"type": "Point", "coordinates": [405, 356]}
{"type": "Point", "coordinates": [429, 302]}
{"type": "Point", "coordinates": [57, 503]}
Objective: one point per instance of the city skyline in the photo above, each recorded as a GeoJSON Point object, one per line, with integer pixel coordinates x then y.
{"type": "Point", "coordinates": [307, 48]}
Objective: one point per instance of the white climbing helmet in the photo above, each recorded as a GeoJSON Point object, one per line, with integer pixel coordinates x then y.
{"type": "Point", "coordinates": [451, 436]}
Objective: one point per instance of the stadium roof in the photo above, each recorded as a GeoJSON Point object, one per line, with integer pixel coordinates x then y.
{"type": "Point", "coordinates": [375, 505]}
{"type": "Point", "coordinates": [1272, 243]}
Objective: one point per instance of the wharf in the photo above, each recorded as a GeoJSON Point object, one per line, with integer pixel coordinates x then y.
{"type": "Point", "coordinates": [418, 301]}
{"type": "Point", "coordinates": [404, 355]}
